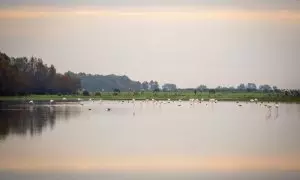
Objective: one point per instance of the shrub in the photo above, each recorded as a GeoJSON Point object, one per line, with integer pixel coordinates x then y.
{"type": "Point", "coordinates": [98, 94]}
{"type": "Point", "coordinates": [85, 93]}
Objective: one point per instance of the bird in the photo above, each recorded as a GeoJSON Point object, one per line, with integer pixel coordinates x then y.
{"type": "Point", "coordinates": [64, 98]}
{"type": "Point", "coordinates": [251, 100]}
{"type": "Point", "coordinates": [31, 102]}
{"type": "Point", "coordinates": [240, 105]}
{"type": "Point", "coordinates": [108, 109]}
{"type": "Point", "coordinates": [90, 109]}
{"type": "Point", "coordinates": [51, 101]}
{"type": "Point", "coordinates": [269, 106]}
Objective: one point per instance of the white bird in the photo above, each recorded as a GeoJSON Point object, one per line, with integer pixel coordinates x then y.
{"type": "Point", "coordinates": [31, 102]}
{"type": "Point", "coordinates": [269, 106]}
{"type": "Point", "coordinates": [90, 99]}
{"type": "Point", "coordinates": [277, 105]}
{"type": "Point", "coordinates": [202, 99]}
{"type": "Point", "coordinates": [251, 100]}
{"type": "Point", "coordinates": [64, 98]}
{"type": "Point", "coordinates": [78, 99]}
{"type": "Point", "coordinates": [255, 100]}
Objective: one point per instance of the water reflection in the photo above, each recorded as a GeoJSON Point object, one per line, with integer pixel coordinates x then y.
{"type": "Point", "coordinates": [160, 136]}
{"type": "Point", "coordinates": [32, 120]}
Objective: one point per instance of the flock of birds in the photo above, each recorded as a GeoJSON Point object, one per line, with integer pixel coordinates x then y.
{"type": "Point", "coordinates": [159, 102]}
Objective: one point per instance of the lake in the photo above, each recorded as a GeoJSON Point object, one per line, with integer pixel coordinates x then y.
{"type": "Point", "coordinates": [149, 140]}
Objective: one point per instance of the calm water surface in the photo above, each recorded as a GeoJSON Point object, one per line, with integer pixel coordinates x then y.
{"type": "Point", "coordinates": [149, 141]}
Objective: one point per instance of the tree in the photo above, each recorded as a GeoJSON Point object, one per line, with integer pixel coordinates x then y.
{"type": "Point", "coordinates": [156, 91]}
{"type": "Point", "coordinates": [202, 88]}
{"type": "Point", "coordinates": [241, 87]}
{"type": "Point", "coordinates": [145, 85]}
{"type": "Point", "coordinates": [116, 91]}
{"type": "Point", "coordinates": [23, 76]}
{"type": "Point", "coordinates": [251, 87]}
{"type": "Point", "coordinates": [212, 91]}
{"type": "Point", "coordinates": [265, 88]}
{"type": "Point", "coordinates": [153, 85]}
{"type": "Point", "coordinates": [85, 93]}
{"type": "Point", "coordinates": [275, 89]}
{"type": "Point", "coordinates": [169, 87]}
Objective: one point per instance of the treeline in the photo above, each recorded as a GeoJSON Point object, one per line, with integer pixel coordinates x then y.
{"type": "Point", "coordinates": [96, 83]}
{"type": "Point", "coordinates": [21, 76]}
{"type": "Point", "coordinates": [109, 83]}
{"type": "Point", "coordinates": [249, 87]}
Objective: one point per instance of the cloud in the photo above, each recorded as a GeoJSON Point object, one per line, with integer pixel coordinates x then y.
{"type": "Point", "coordinates": [175, 13]}
{"type": "Point", "coordinates": [266, 4]}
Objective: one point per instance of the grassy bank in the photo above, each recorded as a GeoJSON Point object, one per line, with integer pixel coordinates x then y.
{"type": "Point", "coordinates": [223, 96]}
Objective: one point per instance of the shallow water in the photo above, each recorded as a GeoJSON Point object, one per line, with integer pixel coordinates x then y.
{"type": "Point", "coordinates": [208, 140]}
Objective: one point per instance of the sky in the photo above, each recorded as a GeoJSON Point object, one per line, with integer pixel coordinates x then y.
{"type": "Point", "coordinates": [186, 42]}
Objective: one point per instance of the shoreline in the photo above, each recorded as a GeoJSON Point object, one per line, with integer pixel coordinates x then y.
{"type": "Point", "coordinates": [70, 98]}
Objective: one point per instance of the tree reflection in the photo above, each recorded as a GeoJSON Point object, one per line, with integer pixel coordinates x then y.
{"type": "Point", "coordinates": [33, 120]}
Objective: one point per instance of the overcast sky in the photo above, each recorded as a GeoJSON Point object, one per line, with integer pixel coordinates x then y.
{"type": "Point", "coordinates": [187, 42]}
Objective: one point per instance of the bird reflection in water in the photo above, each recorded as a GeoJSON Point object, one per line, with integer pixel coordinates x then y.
{"type": "Point", "coordinates": [269, 114]}
{"type": "Point", "coordinates": [276, 113]}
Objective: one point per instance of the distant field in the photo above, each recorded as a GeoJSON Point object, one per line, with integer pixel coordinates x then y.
{"type": "Point", "coordinates": [222, 96]}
